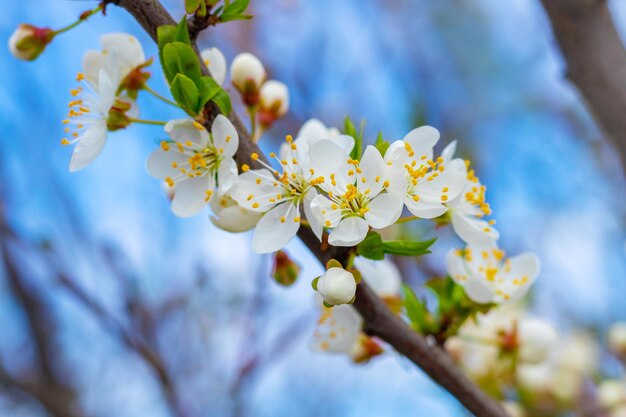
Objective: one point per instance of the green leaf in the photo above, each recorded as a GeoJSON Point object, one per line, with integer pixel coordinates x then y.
{"type": "Point", "coordinates": [222, 99]}
{"type": "Point", "coordinates": [408, 247]}
{"type": "Point", "coordinates": [168, 34]}
{"type": "Point", "coordinates": [182, 32]}
{"type": "Point", "coordinates": [180, 58]}
{"type": "Point", "coordinates": [372, 247]}
{"type": "Point", "coordinates": [185, 93]}
{"type": "Point", "coordinates": [191, 6]}
{"type": "Point", "coordinates": [350, 130]}
{"type": "Point", "coordinates": [381, 144]}
{"type": "Point", "coordinates": [415, 309]}
{"type": "Point", "coordinates": [207, 88]}
{"type": "Point", "coordinates": [234, 11]}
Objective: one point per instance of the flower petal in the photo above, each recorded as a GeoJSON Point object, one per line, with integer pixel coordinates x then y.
{"type": "Point", "coordinates": [227, 215]}
{"type": "Point", "coordinates": [330, 161]}
{"type": "Point", "coordinates": [453, 179]}
{"type": "Point", "coordinates": [129, 50]}
{"type": "Point", "coordinates": [372, 176]}
{"type": "Point", "coordinates": [422, 141]}
{"type": "Point", "coordinates": [448, 152]}
{"type": "Point", "coordinates": [190, 195]}
{"type": "Point", "coordinates": [159, 163]}
{"type": "Point", "coordinates": [225, 136]}
{"type": "Point", "coordinates": [276, 228]}
{"type": "Point", "coordinates": [226, 174]}
{"type": "Point", "coordinates": [478, 291]}
{"type": "Point", "coordinates": [473, 231]}
{"type": "Point", "coordinates": [183, 130]}
{"type": "Point", "coordinates": [316, 226]}
{"type": "Point", "coordinates": [426, 207]}
{"type": "Point", "coordinates": [384, 210]}
{"type": "Point", "coordinates": [93, 62]}
{"type": "Point", "coordinates": [338, 330]}
{"type": "Point", "coordinates": [216, 63]}
{"type": "Point", "coordinates": [325, 212]}
{"type": "Point", "coordinates": [255, 183]}
{"type": "Point", "coordinates": [89, 146]}
{"type": "Point", "coordinates": [349, 232]}
{"type": "Point", "coordinates": [455, 266]}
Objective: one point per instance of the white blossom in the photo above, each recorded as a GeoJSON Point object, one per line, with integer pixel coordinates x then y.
{"type": "Point", "coordinates": [488, 277]}
{"type": "Point", "coordinates": [247, 74]}
{"type": "Point", "coordinates": [195, 162]}
{"type": "Point", "coordinates": [468, 209]}
{"type": "Point", "coordinates": [314, 130]}
{"type": "Point", "coordinates": [429, 183]}
{"type": "Point", "coordinates": [129, 55]}
{"type": "Point", "coordinates": [536, 338]}
{"type": "Point", "coordinates": [216, 63]}
{"type": "Point", "coordinates": [229, 216]}
{"type": "Point", "coordinates": [357, 197]}
{"type": "Point", "coordinates": [274, 101]}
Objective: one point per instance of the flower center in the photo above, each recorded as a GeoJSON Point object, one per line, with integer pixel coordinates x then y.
{"type": "Point", "coordinates": [201, 160]}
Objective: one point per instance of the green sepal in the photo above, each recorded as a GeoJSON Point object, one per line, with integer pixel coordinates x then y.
{"type": "Point", "coordinates": [333, 263]}
{"type": "Point", "coordinates": [327, 305]}
{"type": "Point", "coordinates": [314, 283]}
{"type": "Point", "coordinates": [357, 275]}
{"type": "Point", "coordinates": [185, 93]}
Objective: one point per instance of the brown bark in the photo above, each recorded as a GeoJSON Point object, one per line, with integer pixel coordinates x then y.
{"type": "Point", "coordinates": [596, 61]}
{"type": "Point", "coordinates": [379, 321]}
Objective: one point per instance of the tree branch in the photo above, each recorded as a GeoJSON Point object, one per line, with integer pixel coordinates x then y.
{"type": "Point", "coordinates": [379, 321]}
{"type": "Point", "coordinates": [596, 61]}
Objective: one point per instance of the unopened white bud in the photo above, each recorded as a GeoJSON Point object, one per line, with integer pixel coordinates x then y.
{"type": "Point", "coordinates": [536, 340]}
{"type": "Point", "coordinates": [617, 339]}
{"type": "Point", "coordinates": [247, 75]}
{"type": "Point", "coordinates": [611, 393]}
{"type": "Point", "coordinates": [337, 286]}
{"type": "Point", "coordinates": [28, 41]}
{"type": "Point", "coordinates": [274, 102]}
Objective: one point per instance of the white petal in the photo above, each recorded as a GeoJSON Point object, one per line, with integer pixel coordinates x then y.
{"type": "Point", "coordinates": [422, 141]}
{"type": "Point", "coordinates": [227, 215]}
{"type": "Point", "coordinates": [382, 276]}
{"type": "Point", "coordinates": [216, 63]}
{"type": "Point", "coordinates": [129, 50]}
{"type": "Point", "coordinates": [89, 146]}
{"type": "Point", "coordinates": [473, 231]}
{"type": "Point", "coordinates": [349, 232]}
{"type": "Point", "coordinates": [384, 210]}
{"type": "Point", "coordinates": [159, 163]}
{"type": "Point", "coordinates": [338, 330]}
{"type": "Point", "coordinates": [426, 207]}
{"type": "Point", "coordinates": [190, 195]}
{"type": "Point", "coordinates": [448, 152]}
{"type": "Point", "coordinates": [455, 267]}
{"type": "Point", "coordinates": [225, 135]}
{"type": "Point", "coordinates": [316, 226]}
{"type": "Point", "coordinates": [325, 212]}
{"type": "Point", "coordinates": [478, 291]}
{"type": "Point", "coordinates": [313, 130]}
{"type": "Point", "coordinates": [453, 179]}
{"type": "Point", "coordinates": [93, 62]}
{"type": "Point", "coordinates": [261, 193]}
{"type": "Point", "coordinates": [226, 174]}
{"type": "Point", "coordinates": [373, 172]}
{"type": "Point", "coordinates": [271, 232]}
{"type": "Point", "coordinates": [183, 130]}
{"type": "Point", "coordinates": [327, 159]}
{"type": "Point", "coordinates": [107, 91]}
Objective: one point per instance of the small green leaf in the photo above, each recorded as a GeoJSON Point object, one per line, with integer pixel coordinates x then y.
{"type": "Point", "coordinates": [222, 99]}
{"type": "Point", "coordinates": [180, 58]}
{"type": "Point", "coordinates": [182, 31]}
{"type": "Point", "coordinates": [234, 11]}
{"type": "Point", "coordinates": [408, 247]}
{"type": "Point", "coordinates": [207, 88]}
{"type": "Point", "coordinates": [371, 247]}
{"type": "Point", "coordinates": [381, 144]}
{"type": "Point", "coordinates": [185, 93]}
{"type": "Point", "coordinates": [350, 130]}
{"type": "Point", "coordinates": [191, 6]}
{"type": "Point", "coordinates": [415, 309]}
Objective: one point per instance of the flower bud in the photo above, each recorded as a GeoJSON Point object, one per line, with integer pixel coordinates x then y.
{"type": "Point", "coordinates": [28, 42]}
{"type": "Point", "coordinates": [216, 63]}
{"type": "Point", "coordinates": [247, 74]}
{"type": "Point", "coordinates": [229, 216]}
{"type": "Point", "coordinates": [336, 286]}
{"type": "Point", "coordinates": [536, 339]}
{"type": "Point", "coordinates": [285, 270]}
{"type": "Point", "coordinates": [617, 339]}
{"type": "Point", "coordinates": [611, 393]}
{"type": "Point", "coordinates": [274, 102]}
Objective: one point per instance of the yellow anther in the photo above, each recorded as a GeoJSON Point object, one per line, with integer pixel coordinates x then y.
{"type": "Point", "coordinates": [296, 219]}
{"type": "Point", "coordinates": [250, 197]}
{"type": "Point", "coordinates": [258, 180]}
{"type": "Point", "coordinates": [282, 219]}
{"type": "Point", "coordinates": [64, 141]}
{"type": "Point", "coordinates": [444, 198]}
{"type": "Point", "coordinates": [289, 138]}
{"type": "Point", "coordinates": [255, 205]}
{"type": "Point", "coordinates": [254, 156]}
{"type": "Point", "coordinates": [169, 182]}
{"type": "Point", "coordinates": [416, 198]}
{"type": "Point", "coordinates": [228, 138]}
{"type": "Point", "coordinates": [386, 183]}
{"type": "Point", "coordinates": [245, 168]}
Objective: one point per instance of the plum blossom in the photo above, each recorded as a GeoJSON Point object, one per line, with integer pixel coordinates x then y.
{"type": "Point", "coordinates": [215, 61]}
{"type": "Point", "coordinates": [428, 183]}
{"type": "Point", "coordinates": [196, 163]}
{"type": "Point", "coordinates": [488, 277]}
{"type": "Point", "coordinates": [279, 195]}
{"type": "Point", "coordinates": [468, 209]}
{"type": "Point", "coordinates": [129, 56]}
{"type": "Point", "coordinates": [357, 197]}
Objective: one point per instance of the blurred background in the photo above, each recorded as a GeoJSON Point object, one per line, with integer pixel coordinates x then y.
{"type": "Point", "coordinates": [112, 304]}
